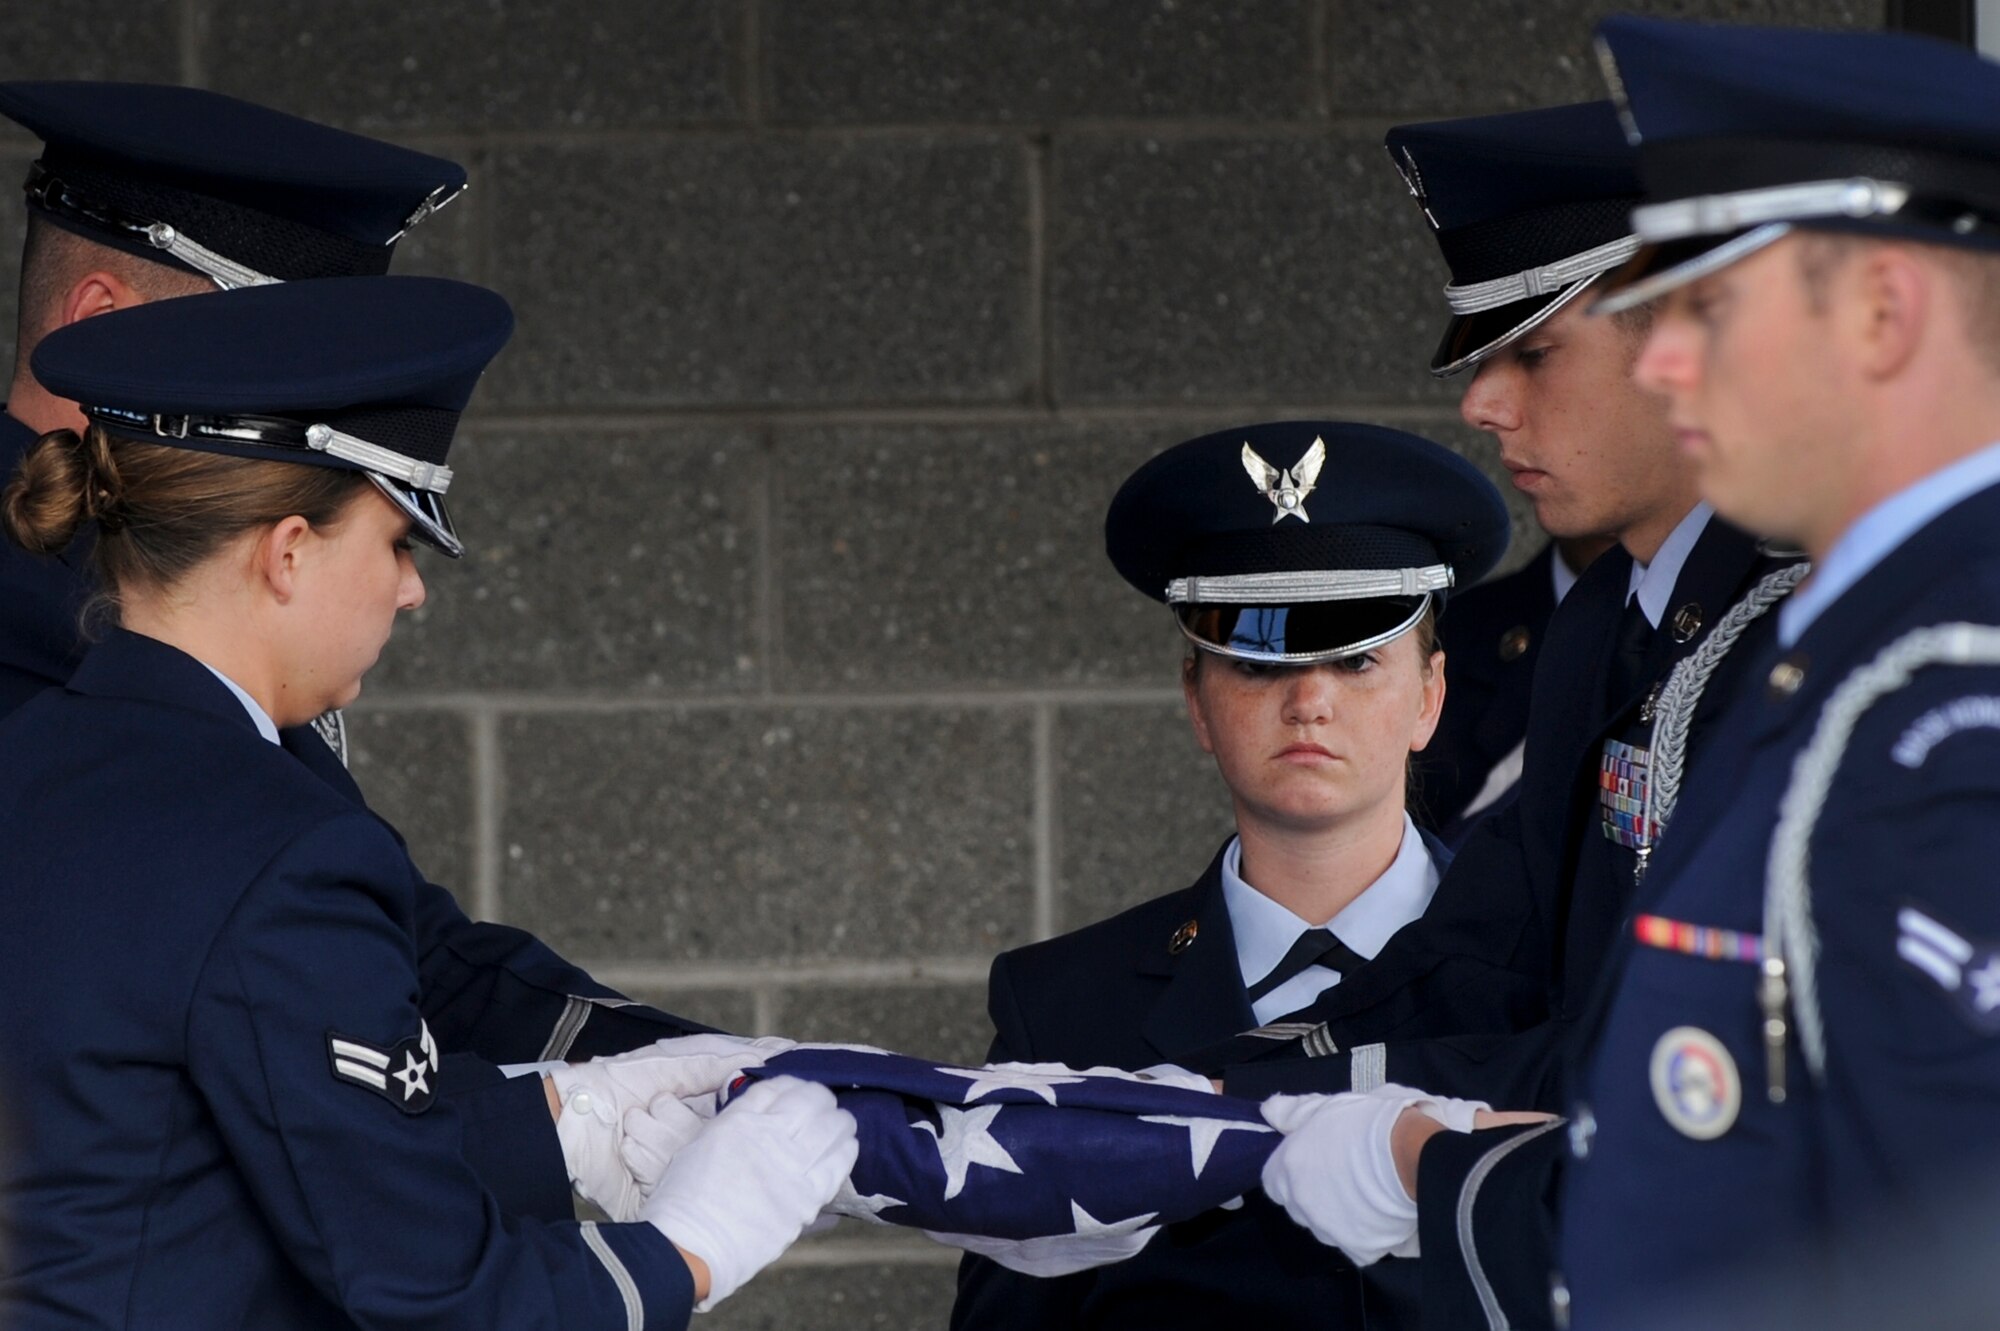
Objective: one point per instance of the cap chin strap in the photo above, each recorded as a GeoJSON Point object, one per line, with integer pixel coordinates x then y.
{"type": "Point", "coordinates": [53, 193]}
{"type": "Point", "coordinates": [276, 432]}
{"type": "Point", "coordinates": [1720, 214]}
{"type": "Point", "coordinates": [432, 476]}
{"type": "Point", "coordinates": [1290, 588]}
{"type": "Point", "coordinates": [224, 272]}
{"type": "Point", "coordinates": [1474, 297]}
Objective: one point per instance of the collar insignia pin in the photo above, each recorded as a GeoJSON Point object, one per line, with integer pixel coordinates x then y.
{"type": "Point", "coordinates": [1287, 489]}
{"type": "Point", "coordinates": [1183, 937]}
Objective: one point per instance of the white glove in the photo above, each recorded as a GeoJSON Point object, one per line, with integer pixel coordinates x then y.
{"type": "Point", "coordinates": [1056, 1254]}
{"type": "Point", "coordinates": [1335, 1174]}
{"type": "Point", "coordinates": [598, 1097]}
{"type": "Point", "coordinates": [738, 1195]}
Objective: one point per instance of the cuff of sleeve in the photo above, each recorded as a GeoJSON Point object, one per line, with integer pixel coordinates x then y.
{"type": "Point", "coordinates": [508, 1138]}
{"type": "Point", "coordinates": [1288, 1076]}
{"type": "Point", "coordinates": [655, 1283]}
{"type": "Point", "coordinates": [1486, 1225]}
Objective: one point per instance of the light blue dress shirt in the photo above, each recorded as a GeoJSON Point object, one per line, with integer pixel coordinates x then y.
{"type": "Point", "coordinates": [265, 726]}
{"type": "Point", "coordinates": [1653, 583]}
{"type": "Point", "coordinates": [1877, 533]}
{"type": "Point", "coordinates": [1265, 930]}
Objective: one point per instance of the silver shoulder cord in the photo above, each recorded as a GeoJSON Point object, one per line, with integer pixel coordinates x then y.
{"type": "Point", "coordinates": [1791, 944]}
{"type": "Point", "coordinates": [1674, 711]}
{"type": "Point", "coordinates": [331, 726]}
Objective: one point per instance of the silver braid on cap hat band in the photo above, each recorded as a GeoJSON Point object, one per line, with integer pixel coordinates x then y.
{"type": "Point", "coordinates": [275, 433]}
{"type": "Point", "coordinates": [1674, 711]}
{"type": "Point", "coordinates": [1288, 588]}
{"type": "Point", "coordinates": [1791, 943]}
{"type": "Point", "coordinates": [1719, 214]}
{"type": "Point", "coordinates": [1472, 297]}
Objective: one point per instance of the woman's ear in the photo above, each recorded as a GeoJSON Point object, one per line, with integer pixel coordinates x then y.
{"type": "Point", "coordinates": [280, 556]}
{"type": "Point", "coordinates": [1191, 667]}
{"type": "Point", "coordinates": [1433, 703]}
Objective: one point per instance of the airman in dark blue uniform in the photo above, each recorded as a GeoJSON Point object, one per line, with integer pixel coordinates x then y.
{"type": "Point", "coordinates": [146, 191]}
{"type": "Point", "coordinates": [222, 1096]}
{"type": "Point", "coordinates": [1784, 1113]}
{"type": "Point", "coordinates": [1304, 561]}
{"type": "Point", "coordinates": [1530, 210]}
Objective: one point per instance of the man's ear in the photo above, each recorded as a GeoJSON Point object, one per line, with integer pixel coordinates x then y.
{"type": "Point", "coordinates": [1889, 300]}
{"type": "Point", "coordinates": [281, 555]}
{"type": "Point", "coordinates": [97, 292]}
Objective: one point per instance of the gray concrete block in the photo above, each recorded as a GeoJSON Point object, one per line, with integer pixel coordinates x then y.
{"type": "Point", "coordinates": [136, 41]}
{"type": "Point", "coordinates": [13, 228]}
{"type": "Point", "coordinates": [886, 1296]}
{"type": "Point", "coordinates": [765, 271]}
{"type": "Point", "coordinates": [732, 1010]}
{"type": "Point", "coordinates": [594, 559]}
{"type": "Point", "coordinates": [1292, 269]}
{"type": "Point", "coordinates": [1433, 58]}
{"type": "Point", "coordinates": [943, 1021]}
{"type": "Point", "coordinates": [929, 557]}
{"type": "Point", "coordinates": [416, 770]}
{"type": "Point", "coordinates": [856, 60]}
{"type": "Point", "coordinates": [1139, 808]}
{"type": "Point", "coordinates": [480, 65]}
{"type": "Point", "coordinates": [759, 833]}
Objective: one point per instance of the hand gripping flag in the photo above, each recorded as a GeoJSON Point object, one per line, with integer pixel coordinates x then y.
{"type": "Point", "coordinates": [1009, 1153]}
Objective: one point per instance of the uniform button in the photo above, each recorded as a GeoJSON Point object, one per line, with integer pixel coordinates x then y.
{"type": "Point", "coordinates": [1558, 1302]}
{"type": "Point", "coordinates": [1581, 1129]}
{"type": "Point", "coordinates": [580, 1102]}
{"type": "Point", "coordinates": [1514, 644]}
{"type": "Point", "coordinates": [1786, 676]}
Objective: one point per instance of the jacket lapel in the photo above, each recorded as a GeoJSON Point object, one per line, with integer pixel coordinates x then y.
{"type": "Point", "coordinates": [1204, 999]}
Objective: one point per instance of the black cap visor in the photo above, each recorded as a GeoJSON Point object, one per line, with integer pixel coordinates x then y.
{"type": "Point", "coordinates": [1670, 264]}
{"type": "Point", "coordinates": [1301, 634]}
{"type": "Point", "coordinates": [430, 520]}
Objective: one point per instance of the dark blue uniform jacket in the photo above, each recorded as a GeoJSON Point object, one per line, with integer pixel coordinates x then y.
{"type": "Point", "coordinates": [212, 955]}
{"type": "Point", "coordinates": [1492, 637]}
{"type": "Point", "coordinates": [488, 990]}
{"type": "Point", "coordinates": [1860, 1201]}
{"type": "Point", "coordinates": [1113, 993]}
{"type": "Point", "coordinates": [1474, 999]}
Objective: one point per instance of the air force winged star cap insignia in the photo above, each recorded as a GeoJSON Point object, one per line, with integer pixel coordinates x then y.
{"type": "Point", "coordinates": [1289, 488]}
{"type": "Point", "coordinates": [400, 1074]}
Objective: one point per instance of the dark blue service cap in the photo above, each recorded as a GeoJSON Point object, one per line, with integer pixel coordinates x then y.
{"type": "Point", "coordinates": [1745, 133]}
{"type": "Point", "coordinates": [366, 374]}
{"type": "Point", "coordinates": [236, 192]}
{"type": "Point", "coordinates": [1528, 209]}
{"type": "Point", "coordinates": [1302, 541]}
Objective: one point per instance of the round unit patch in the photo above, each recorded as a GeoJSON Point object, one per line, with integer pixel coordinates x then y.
{"type": "Point", "coordinates": [1695, 1083]}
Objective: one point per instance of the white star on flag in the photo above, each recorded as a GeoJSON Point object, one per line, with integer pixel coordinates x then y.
{"type": "Point", "coordinates": [964, 1141]}
{"type": "Point", "coordinates": [1986, 983]}
{"type": "Point", "coordinates": [1088, 1224]}
{"type": "Point", "coordinates": [850, 1203]}
{"type": "Point", "coordinates": [987, 1080]}
{"type": "Point", "coordinates": [1203, 1133]}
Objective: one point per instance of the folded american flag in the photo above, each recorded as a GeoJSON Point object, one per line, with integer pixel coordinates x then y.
{"type": "Point", "coordinates": [1012, 1154]}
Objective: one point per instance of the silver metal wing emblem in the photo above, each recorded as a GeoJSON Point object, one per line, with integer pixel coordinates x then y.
{"type": "Point", "coordinates": [1287, 490]}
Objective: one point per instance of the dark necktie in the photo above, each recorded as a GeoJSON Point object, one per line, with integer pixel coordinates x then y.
{"type": "Point", "coordinates": [1628, 661]}
{"type": "Point", "coordinates": [1315, 947]}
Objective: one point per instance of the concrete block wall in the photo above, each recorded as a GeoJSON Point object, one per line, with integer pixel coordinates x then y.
{"type": "Point", "coordinates": [785, 680]}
